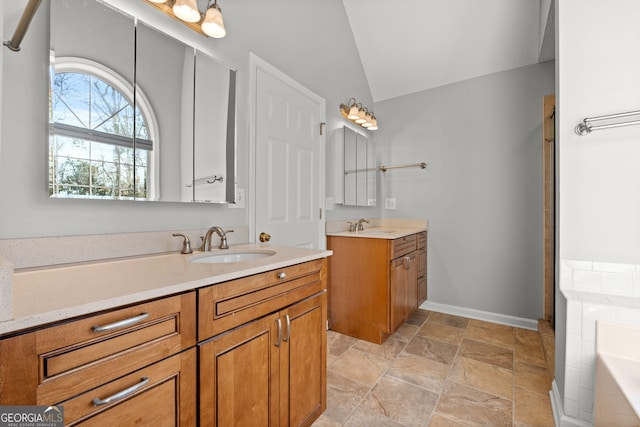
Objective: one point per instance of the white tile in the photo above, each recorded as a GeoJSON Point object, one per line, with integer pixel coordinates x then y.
{"type": "Point", "coordinates": [614, 267]}
{"type": "Point", "coordinates": [628, 315]}
{"type": "Point", "coordinates": [636, 285]}
{"type": "Point", "coordinates": [572, 383]}
{"type": "Point", "coordinates": [579, 265]}
{"type": "Point", "coordinates": [571, 407]}
{"type": "Point", "coordinates": [588, 353]}
{"type": "Point", "coordinates": [591, 313]}
{"type": "Point", "coordinates": [587, 377]}
{"type": "Point", "coordinates": [566, 275]}
{"type": "Point", "coordinates": [586, 404]}
{"type": "Point", "coordinates": [573, 351]}
{"type": "Point", "coordinates": [587, 280]}
{"type": "Point", "coordinates": [574, 317]}
{"type": "Point", "coordinates": [617, 284]}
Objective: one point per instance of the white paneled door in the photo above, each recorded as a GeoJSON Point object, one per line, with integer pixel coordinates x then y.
{"type": "Point", "coordinates": [289, 162]}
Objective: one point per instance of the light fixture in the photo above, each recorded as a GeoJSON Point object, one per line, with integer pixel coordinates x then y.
{"type": "Point", "coordinates": [358, 114]}
{"type": "Point", "coordinates": [209, 24]}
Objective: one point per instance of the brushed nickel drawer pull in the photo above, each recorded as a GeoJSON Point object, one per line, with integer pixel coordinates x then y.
{"type": "Point", "coordinates": [282, 275]}
{"type": "Point", "coordinates": [121, 394]}
{"type": "Point", "coordinates": [288, 320]}
{"type": "Point", "coordinates": [407, 262]}
{"type": "Point", "coordinates": [279, 322]}
{"type": "Point", "coordinates": [121, 323]}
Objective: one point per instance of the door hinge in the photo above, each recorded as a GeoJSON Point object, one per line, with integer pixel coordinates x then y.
{"type": "Point", "coordinates": [320, 213]}
{"type": "Point", "coordinates": [322, 125]}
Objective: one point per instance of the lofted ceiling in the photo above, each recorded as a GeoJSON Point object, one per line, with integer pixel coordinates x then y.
{"type": "Point", "coordinates": [413, 45]}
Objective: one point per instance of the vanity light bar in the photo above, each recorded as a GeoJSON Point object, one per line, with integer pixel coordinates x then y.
{"type": "Point", "coordinates": [359, 115]}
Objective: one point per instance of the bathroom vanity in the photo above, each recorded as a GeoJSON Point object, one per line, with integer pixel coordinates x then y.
{"type": "Point", "coordinates": [216, 344]}
{"type": "Point", "coordinates": [377, 279]}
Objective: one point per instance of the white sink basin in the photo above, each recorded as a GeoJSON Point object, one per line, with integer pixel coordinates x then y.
{"type": "Point", "coordinates": [373, 231]}
{"type": "Point", "coordinates": [229, 256]}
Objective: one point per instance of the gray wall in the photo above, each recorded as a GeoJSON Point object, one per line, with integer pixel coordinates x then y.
{"type": "Point", "coordinates": [482, 190]}
{"type": "Point", "coordinates": [324, 59]}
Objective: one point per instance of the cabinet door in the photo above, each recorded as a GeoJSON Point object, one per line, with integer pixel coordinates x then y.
{"type": "Point", "coordinates": [303, 360]}
{"type": "Point", "coordinates": [239, 376]}
{"type": "Point", "coordinates": [162, 394]}
{"type": "Point", "coordinates": [404, 290]}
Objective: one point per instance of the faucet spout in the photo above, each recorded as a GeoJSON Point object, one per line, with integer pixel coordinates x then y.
{"type": "Point", "coordinates": [206, 240]}
{"type": "Point", "coordinates": [359, 226]}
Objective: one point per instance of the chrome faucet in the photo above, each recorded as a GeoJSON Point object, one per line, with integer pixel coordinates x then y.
{"type": "Point", "coordinates": [206, 240]}
{"type": "Point", "coordinates": [359, 226]}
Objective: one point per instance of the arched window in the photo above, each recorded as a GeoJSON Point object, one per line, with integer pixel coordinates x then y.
{"type": "Point", "coordinates": [99, 146]}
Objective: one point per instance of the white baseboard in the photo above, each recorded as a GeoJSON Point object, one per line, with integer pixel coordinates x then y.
{"type": "Point", "coordinates": [559, 417]}
{"type": "Point", "coordinates": [487, 316]}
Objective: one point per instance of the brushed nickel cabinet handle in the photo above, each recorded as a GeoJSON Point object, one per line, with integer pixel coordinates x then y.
{"type": "Point", "coordinates": [121, 394]}
{"type": "Point", "coordinates": [407, 262]}
{"type": "Point", "coordinates": [121, 323]}
{"type": "Point", "coordinates": [288, 321]}
{"type": "Point", "coordinates": [279, 322]}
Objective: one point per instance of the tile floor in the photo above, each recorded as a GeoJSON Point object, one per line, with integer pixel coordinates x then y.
{"type": "Point", "coordinates": [439, 370]}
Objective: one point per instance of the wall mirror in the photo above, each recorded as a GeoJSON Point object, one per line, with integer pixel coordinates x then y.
{"type": "Point", "coordinates": [134, 113]}
{"type": "Point", "coordinates": [359, 169]}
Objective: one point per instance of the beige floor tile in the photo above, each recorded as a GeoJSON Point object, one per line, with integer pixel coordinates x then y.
{"type": "Point", "coordinates": [440, 421]}
{"type": "Point", "coordinates": [420, 371]}
{"type": "Point", "coordinates": [489, 353]}
{"type": "Point", "coordinates": [325, 421]}
{"type": "Point", "coordinates": [388, 349]}
{"type": "Point", "coordinates": [528, 337]}
{"type": "Point", "coordinates": [361, 367]}
{"type": "Point", "coordinates": [529, 354]}
{"type": "Point", "coordinates": [449, 320]}
{"type": "Point", "coordinates": [532, 409]}
{"type": "Point", "coordinates": [533, 378]}
{"type": "Point", "coordinates": [419, 317]}
{"type": "Point", "coordinates": [405, 332]}
{"type": "Point", "coordinates": [431, 349]}
{"type": "Point", "coordinates": [400, 401]}
{"type": "Point", "coordinates": [339, 343]}
{"type": "Point", "coordinates": [343, 397]}
{"type": "Point", "coordinates": [491, 333]}
{"type": "Point", "coordinates": [474, 407]}
{"type": "Point", "coordinates": [442, 332]}
{"type": "Point", "coordinates": [365, 418]}
{"type": "Point", "coordinates": [483, 376]}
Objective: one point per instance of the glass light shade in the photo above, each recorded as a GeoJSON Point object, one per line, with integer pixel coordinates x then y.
{"type": "Point", "coordinates": [187, 10]}
{"type": "Point", "coordinates": [368, 122]}
{"type": "Point", "coordinates": [353, 113]}
{"type": "Point", "coordinates": [361, 116]}
{"type": "Point", "coordinates": [158, 1]}
{"type": "Point", "coordinates": [374, 124]}
{"type": "Point", "coordinates": [212, 24]}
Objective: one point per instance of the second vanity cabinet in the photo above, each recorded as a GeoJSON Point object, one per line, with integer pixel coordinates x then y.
{"type": "Point", "coordinates": [375, 284]}
{"type": "Point", "coordinates": [251, 351]}
{"type": "Point", "coordinates": [275, 366]}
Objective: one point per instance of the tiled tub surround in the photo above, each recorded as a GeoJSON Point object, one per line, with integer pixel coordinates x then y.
{"type": "Point", "coordinates": [45, 295]}
{"type": "Point", "coordinates": [594, 291]}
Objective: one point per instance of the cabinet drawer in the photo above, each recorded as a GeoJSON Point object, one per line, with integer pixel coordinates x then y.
{"type": "Point", "coordinates": [402, 246]}
{"type": "Point", "coordinates": [226, 305]}
{"type": "Point", "coordinates": [422, 239]}
{"type": "Point", "coordinates": [82, 354]}
{"type": "Point", "coordinates": [422, 262]}
{"type": "Point", "coordinates": [160, 394]}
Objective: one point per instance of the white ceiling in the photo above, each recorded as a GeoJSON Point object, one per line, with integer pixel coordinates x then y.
{"type": "Point", "coordinates": [412, 45]}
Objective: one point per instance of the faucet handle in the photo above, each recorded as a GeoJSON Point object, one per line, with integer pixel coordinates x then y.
{"type": "Point", "coordinates": [223, 240]}
{"type": "Point", "coordinates": [186, 244]}
{"type": "Point", "coordinates": [351, 227]}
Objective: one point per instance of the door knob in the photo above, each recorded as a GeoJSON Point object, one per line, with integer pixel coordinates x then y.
{"type": "Point", "coordinates": [265, 237]}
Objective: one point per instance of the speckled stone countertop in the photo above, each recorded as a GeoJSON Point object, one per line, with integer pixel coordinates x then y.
{"type": "Point", "coordinates": [46, 295]}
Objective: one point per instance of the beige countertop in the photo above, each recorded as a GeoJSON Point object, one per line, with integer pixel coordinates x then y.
{"type": "Point", "coordinates": [46, 295]}
{"type": "Point", "coordinates": [388, 233]}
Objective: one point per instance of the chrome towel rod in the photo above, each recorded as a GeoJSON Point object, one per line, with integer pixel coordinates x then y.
{"type": "Point", "coordinates": [421, 165]}
{"type": "Point", "coordinates": [585, 127]}
{"type": "Point", "coordinates": [23, 25]}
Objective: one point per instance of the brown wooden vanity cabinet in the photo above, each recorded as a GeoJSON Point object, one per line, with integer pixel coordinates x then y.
{"type": "Point", "coordinates": [135, 353]}
{"type": "Point", "coordinates": [270, 367]}
{"type": "Point", "coordinates": [259, 357]}
{"type": "Point", "coordinates": [375, 284]}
